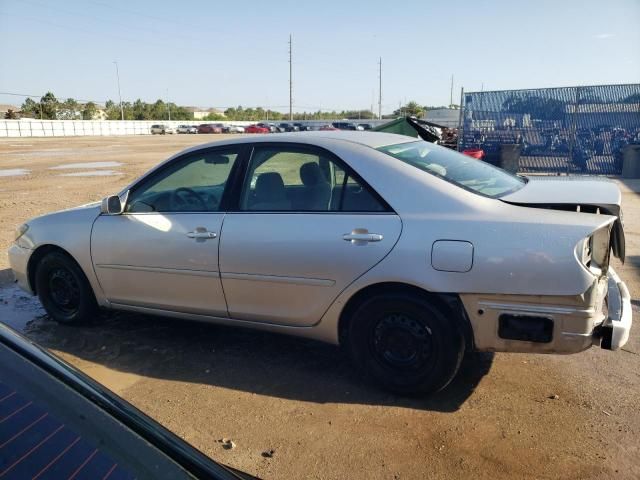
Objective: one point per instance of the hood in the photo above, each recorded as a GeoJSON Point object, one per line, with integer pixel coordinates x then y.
{"type": "Point", "coordinates": [581, 194]}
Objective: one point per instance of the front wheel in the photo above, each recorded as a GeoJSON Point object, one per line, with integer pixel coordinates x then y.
{"type": "Point", "coordinates": [406, 343]}
{"type": "Point", "coordinates": [63, 289]}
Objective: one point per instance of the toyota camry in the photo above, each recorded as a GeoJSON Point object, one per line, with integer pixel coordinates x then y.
{"type": "Point", "coordinates": [405, 253]}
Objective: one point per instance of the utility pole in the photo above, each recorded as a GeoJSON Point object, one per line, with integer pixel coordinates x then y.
{"type": "Point", "coordinates": [451, 96]}
{"type": "Point", "coordinates": [373, 93]}
{"type": "Point", "coordinates": [168, 105]}
{"type": "Point", "coordinates": [119, 94]}
{"type": "Point", "coordinates": [290, 81]}
{"type": "Point", "coordinates": [380, 89]}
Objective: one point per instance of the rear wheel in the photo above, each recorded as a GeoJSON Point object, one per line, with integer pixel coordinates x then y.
{"type": "Point", "coordinates": [405, 343]}
{"type": "Point", "coordinates": [63, 289]}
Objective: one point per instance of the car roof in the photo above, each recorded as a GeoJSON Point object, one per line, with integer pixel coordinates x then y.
{"type": "Point", "coordinates": [369, 139]}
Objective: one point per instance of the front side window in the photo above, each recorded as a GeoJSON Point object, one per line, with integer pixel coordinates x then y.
{"type": "Point", "coordinates": [194, 183]}
{"type": "Point", "coordinates": [465, 172]}
{"type": "Point", "coordinates": [304, 180]}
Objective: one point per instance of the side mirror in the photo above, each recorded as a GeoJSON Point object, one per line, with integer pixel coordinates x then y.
{"type": "Point", "coordinates": [111, 205]}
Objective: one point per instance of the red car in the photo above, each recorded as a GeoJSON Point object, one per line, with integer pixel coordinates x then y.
{"type": "Point", "coordinates": [327, 127]}
{"type": "Point", "coordinates": [209, 128]}
{"type": "Point", "coordinates": [256, 129]}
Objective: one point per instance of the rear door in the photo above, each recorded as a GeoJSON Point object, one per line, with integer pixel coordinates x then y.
{"type": "Point", "coordinates": [306, 227]}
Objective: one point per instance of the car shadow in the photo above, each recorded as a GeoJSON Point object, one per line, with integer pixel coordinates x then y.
{"type": "Point", "coordinates": [241, 359]}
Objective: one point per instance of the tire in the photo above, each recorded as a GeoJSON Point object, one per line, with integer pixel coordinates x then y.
{"type": "Point", "coordinates": [64, 291]}
{"type": "Point", "coordinates": [405, 343]}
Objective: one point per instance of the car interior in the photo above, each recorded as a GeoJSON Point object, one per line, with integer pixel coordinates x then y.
{"type": "Point", "coordinates": [317, 184]}
{"type": "Point", "coordinates": [279, 181]}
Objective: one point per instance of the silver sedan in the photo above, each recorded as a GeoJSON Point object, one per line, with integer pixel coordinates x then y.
{"type": "Point", "coordinates": [404, 252]}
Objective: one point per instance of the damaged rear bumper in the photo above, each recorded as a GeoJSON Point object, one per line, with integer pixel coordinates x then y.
{"type": "Point", "coordinates": [548, 324]}
{"type": "Point", "coordinates": [614, 332]}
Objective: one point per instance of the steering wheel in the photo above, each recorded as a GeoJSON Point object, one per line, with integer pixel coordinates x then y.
{"type": "Point", "coordinates": [185, 197]}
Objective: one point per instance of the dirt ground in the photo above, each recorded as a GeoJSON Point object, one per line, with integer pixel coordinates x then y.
{"type": "Point", "coordinates": [498, 420]}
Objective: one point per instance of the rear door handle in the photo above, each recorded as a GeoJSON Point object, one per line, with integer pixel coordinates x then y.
{"type": "Point", "coordinates": [361, 236]}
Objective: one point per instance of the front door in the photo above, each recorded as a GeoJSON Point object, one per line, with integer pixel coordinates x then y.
{"type": "Point", "coordinates": [162, 252]}
{"type": "Point", "coordinates": [306, 228]}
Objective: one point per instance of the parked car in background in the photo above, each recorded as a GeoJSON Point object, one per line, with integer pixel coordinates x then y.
{"type": "Point", "coordinates": [346, 126]}
{"type": "Point", "coordinates": [327, 128]}
{"type": "Point", "coordinates": [187, 129]}
{"type": "Point", "coordinates": [269, 126]}
{"type": "Point", "coordinates": [287, 127]}
{"type": "Point", "coordinates": [210, 128]}
{"type": "Point", "coordinates": [256, 129]}
{"type": "Point", "coordinates": [233, 129]}
{"type": "Point", "coordinates": [302, 127]}
{"type": "Point", "coordinates": [161, 129]}
{"type": "Point", "coordinates": [404, 252]}
{"type": "Point", "coordinates": [366, 126]}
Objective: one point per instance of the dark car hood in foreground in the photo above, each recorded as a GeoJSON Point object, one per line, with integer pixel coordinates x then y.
{"type": "Point", "coordinates": [35, 385]}
{"type": "Point", "coordinates": [585, 194]}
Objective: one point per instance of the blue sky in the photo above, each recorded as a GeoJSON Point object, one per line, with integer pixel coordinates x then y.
{"type": "Point", "coordinates": [213, 53]}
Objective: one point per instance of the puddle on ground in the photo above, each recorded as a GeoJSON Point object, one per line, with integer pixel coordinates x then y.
{"type": "Point", "coordinates": [20, 310]}
{"type": "Point", "coordinates": [92, 173]}
{"type": "Point", "coordinates": [86, 165]}
{"type": "Point", "coordinates": [14, 172]}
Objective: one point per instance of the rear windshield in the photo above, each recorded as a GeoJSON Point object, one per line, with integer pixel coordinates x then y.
{"type": "Point", "coordinates": [461, 170]}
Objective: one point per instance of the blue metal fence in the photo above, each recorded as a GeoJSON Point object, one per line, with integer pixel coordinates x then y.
{"type": "Point", "coordinates": [561, 130]}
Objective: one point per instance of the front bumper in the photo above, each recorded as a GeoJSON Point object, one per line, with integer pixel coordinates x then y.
{"type": "Point", "coordinates": [18, 261]}
{"type": "Point", "coordinates": [614, 332]}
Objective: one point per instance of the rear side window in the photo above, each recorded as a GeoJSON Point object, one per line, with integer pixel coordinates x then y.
{"type": "Point", "coordinates": [304, 180]}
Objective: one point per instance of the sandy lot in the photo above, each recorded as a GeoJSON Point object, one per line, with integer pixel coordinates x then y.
{"type": "Point", "coordinates": [302, 399]}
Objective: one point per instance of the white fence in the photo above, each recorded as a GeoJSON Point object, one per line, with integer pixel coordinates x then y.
{"type": "Point", "coordinates": [71, 128]}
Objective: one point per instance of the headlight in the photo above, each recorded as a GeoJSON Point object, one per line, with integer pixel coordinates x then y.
{"type": "Point", "coordinates": [20, 231]}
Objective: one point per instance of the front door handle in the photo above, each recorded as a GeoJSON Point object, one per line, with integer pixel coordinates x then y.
{"type": "Point", "coordinates": [201, 233]}
{"type": "Point", "coordinates": [361, 236]}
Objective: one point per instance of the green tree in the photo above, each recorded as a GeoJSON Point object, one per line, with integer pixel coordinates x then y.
{"type": "Point", "coordinates": [213, 116]}
{"type": "Point", "coordinates": [411, 109]}
{"type": "Point", "coordinates": [49, 105]}
{"type": "Point", "coordinates": [30, 108]}
{"type": "Point", "coordinates": [89, 111]}
{"type": "Point", "coordinates": [68, 110]}
{"type": "Point", "coordinates": [10, 114]}
{"type": "Point", "coordinates": [112, 110]}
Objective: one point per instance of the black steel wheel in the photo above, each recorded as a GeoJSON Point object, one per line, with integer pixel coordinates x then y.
{"type": "Point", "coordinates": [63, 289]}
{"type": "Point", "coordinates": [406, 343]}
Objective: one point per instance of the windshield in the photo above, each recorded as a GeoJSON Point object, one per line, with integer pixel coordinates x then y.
{"type": "Point", "coordinates": [465, 172]}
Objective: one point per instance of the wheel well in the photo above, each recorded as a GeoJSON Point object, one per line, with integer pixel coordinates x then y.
{"type": "Point", "coordinates": [35, 258]}
{"type": "Point", "coordinates": [449, 302]}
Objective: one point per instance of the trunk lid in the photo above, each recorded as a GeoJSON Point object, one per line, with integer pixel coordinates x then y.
{"type": "Point", "coordinates": [582, 194]}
